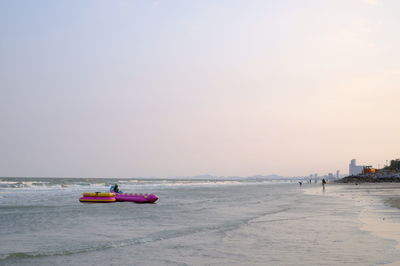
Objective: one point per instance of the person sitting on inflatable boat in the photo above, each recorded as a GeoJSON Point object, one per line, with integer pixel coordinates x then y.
{"type": "Point", "coordinates": [115, 189]}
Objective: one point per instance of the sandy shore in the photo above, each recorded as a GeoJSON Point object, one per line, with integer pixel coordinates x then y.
{"type": "Point", "coordinates": [379, 205]}
{"type": "Point", "coordinates": [394, 202]}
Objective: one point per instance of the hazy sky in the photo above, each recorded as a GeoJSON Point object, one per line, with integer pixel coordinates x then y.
{"type": "Point", "coordinates": [181, 88]}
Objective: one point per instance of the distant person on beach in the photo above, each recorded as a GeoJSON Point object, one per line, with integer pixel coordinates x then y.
{"type": "Point", "coordinates": [114, 188]}
{"type": "Point", "coordinates": [323, 183]}
{"type": "Point", "coordinates": [300, 183]}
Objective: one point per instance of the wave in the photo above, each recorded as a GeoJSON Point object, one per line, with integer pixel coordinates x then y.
{"type": "Point", "coordinates": [159, 236]}
{"type": "Point", "coordinates": [51, 184]}
{"type": "Point", "coordinates": [96, 183]}
{"type": "Point", "coordinates": [86, 249]}
{"type": "Point", "coordinates": [37, 254]}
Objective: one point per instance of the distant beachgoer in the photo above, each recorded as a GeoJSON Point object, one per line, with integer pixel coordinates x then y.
{"type": "Point", "coordinates": [114, 188]}
{"type": "Point", "coordinates": [323, 183]}
{"type": "Point", "coordinates": [300, 183]}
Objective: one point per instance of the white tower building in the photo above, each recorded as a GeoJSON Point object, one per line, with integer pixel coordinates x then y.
{"type": "Point", "coordinates": [355, 169]}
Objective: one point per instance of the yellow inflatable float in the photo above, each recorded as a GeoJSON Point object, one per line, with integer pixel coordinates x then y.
{"type": "Point", "coordinates": [94, 197]}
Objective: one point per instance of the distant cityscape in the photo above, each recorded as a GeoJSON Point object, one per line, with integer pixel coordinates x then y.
{"type": "Point", "coordinates": [354, 170]}
{"type": "Point", "coordinates": [391, 170]}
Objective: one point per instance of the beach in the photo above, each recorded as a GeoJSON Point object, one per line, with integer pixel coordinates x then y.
{"type": "Point", "coordinates": [227, 125]}
{"type": "Point", "coordinates": [379, 205]}
{"type": "Point", "coordinates": [394, 202]}
{"type": "Point", "coordinates": [199, 222]}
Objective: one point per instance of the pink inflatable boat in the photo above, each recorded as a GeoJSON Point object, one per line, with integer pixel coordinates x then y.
{"type": "Point", "coordinates": [136, 197]}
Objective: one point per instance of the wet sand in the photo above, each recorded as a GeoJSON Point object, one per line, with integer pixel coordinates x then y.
{"type": "Point", "coordinates": [379, 206]}
{"type": "Point", "coordinates": [394, 202]}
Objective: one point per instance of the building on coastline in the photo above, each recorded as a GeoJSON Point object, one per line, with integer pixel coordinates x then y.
{"type": "Point", "coordinates": [337, 174]}
{"type": "Point", "coordinates": [355, 169]}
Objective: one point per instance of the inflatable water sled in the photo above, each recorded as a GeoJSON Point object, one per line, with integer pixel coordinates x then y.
{"type": "Point", "coordinates": [136, 197]}
{"type": "Point", "coordinates": [99, 197]}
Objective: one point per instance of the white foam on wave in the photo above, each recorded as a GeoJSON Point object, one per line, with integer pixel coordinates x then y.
{"type": "Point", "coordinates": [88, 184]}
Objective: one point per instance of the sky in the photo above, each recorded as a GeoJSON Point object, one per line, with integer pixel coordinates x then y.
{"type": "Point", "coordinates": [183, 88]}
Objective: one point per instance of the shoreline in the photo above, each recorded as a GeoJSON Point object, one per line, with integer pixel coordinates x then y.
{"type": "Point", "coordinates": [379, 205]}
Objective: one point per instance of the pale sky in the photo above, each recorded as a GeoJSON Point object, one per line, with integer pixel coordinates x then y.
{"type": "Point", "coordinates": [183, 88]}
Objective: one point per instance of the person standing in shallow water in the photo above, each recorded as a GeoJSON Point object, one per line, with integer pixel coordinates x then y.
{"type": "Point", "coordinates": [114, 188]}
{"type": "Point", "coordinates": [323, 184]}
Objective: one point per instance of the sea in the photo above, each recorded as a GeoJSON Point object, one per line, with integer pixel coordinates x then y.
{"type": "Point", "coordinates": [194, 222]}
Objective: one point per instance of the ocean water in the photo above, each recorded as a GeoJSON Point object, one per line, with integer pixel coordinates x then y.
{"type": "Point", "coordinates": [195, 222]}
